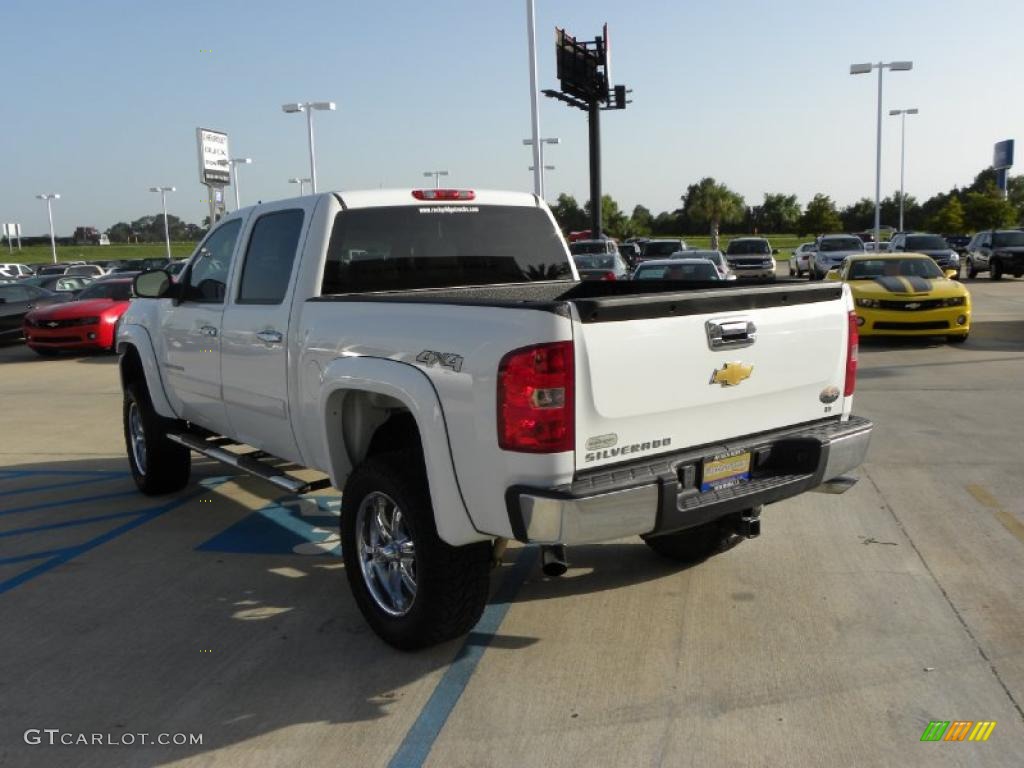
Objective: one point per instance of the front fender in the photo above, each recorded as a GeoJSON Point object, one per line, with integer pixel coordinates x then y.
{"type": "Point", "coordinates": [138, 337]}
{"type": "Point", "coordinates": [411, 387]}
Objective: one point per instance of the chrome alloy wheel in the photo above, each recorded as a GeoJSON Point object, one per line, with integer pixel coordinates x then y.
{"type": "Point", "coordinates": [387, 555]}
{"type": "Point", "coordinates": [138, 437]}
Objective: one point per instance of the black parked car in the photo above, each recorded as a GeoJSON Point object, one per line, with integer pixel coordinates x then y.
{"type": "Point", "coordinates": [935, 246]}
{"type": "Point", "coordinates": [58, 283]}
{"type": "Point", "coordinates": [958, 243]}
{"type": "Point", "coordinates": [16, 300]}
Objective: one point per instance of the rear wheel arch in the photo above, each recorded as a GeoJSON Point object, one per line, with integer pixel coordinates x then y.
{"type": "Point", "coordinates": [361, 424]}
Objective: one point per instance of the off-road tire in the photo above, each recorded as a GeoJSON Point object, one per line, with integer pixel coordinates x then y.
{"type": "Point", "coordinates": [995, 270]}
{"type": "Point", "coordinates": [167, 464]}
{"type": "Point", "coordinates": [972, 271]}
{"type": "Point", "coordinates": [451, 582]}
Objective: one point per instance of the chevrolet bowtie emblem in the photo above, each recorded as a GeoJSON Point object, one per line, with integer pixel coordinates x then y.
{"type": "Point", "coordinates": [731, 374]}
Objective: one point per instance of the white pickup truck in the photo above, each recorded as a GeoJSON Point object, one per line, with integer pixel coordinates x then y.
{"type": "Point", "coordinates": [435, 355]}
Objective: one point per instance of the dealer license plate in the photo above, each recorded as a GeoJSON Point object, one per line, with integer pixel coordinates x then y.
{"type": "Point", "coordinates": [725, 470]}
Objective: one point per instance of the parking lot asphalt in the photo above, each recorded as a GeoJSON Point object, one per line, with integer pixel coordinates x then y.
{"type": "Point", "coordinates": [833, 639]}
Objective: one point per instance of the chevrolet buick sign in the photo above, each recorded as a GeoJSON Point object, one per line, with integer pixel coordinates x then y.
{"type": "Point", "coordinates": [213, 156]}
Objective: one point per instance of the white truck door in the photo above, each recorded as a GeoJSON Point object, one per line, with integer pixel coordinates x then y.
{"type": "Point", "coordinates": [190, 331]}
{"type": "Point", "coordinates": [254, 343]}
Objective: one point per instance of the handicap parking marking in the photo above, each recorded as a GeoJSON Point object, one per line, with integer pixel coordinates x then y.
{"type": "Point", "coordinates": [293, 525]}
{"type": "Point", "coordinates": [65, 484]}
{"type": "Point", "coordinates": [54, 558]}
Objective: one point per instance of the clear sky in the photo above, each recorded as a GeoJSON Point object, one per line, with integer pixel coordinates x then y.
{"type": "Point", "coordinates": [101, 99]}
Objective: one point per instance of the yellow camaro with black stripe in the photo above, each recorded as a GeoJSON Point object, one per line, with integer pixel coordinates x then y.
{"type": "Point", "coordinates": [905, 294]}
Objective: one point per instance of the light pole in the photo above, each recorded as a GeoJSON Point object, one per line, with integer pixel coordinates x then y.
{"type": "Point", "coordinates": [308, 107]}
{"type": "Point", "coordinates": [903, 148]}
{"type": "Point", "coordinates": [539, 158]}
{"type": "Point", "coordinates": [863, 69]}
{"type": "Point", "coordinates": [49, 197]}
{"type": "Point", "coordinates": [437, 176]}
{"type": "Point", "coordinates": [300, 182]}
{"type": "Point", "coordinates": [163, 199]}
{"type": "Point", "coordinates": [235, 162]}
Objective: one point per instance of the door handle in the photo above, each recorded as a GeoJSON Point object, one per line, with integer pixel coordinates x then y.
{"type": "Point", "coordinates": [207, 330]}
{"type": "Point", "coordinates": [270, 337]}
{"type": "Point", "coordinates": [730, 334]}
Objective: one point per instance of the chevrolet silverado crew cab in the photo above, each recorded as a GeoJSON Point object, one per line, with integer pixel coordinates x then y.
{"type": "Point", "coordinates": [434, 354]}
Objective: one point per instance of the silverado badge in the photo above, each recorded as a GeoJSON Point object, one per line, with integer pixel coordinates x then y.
{"type": "Point", "coordinates": [731, 374]}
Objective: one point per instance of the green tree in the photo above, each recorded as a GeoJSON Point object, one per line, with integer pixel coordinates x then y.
{"type": "Point", "coordinates": [714, 204]}
{"type": "Point", "coordinates": [642, 222]}
{"type": "Point", "coordinates": [890, 211]}
{"type": "Point", "coordinates": [859, 216]}
{"type": "Point", "coordinates": [119, 233]}
{"type": "Point", "coordinates": [568, 214]}
{"type": "Point", "coordinates": [820, 217]}
{"type": "Point", "coordinates": [949, 219]}
{"type": "Point", "coordinates": [668, 223]}
{"type": "Point", "coordinates": [778, 213]}
{"type": "Point", "coordinates": [613, 220]}
{"type": "Point", "coordinates": [988, 209]}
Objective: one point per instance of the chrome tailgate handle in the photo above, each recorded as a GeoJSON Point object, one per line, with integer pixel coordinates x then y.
{"type": "Point", "coordinates": [730, 334]}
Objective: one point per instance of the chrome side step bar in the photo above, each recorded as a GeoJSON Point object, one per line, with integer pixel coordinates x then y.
{"type": "Point", "coordinates": [247, 463]}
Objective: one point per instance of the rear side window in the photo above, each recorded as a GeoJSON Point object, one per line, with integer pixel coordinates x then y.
{"type": "Point", "coordinates": [442, 246]}
{"type": "Point", "coordinates": [269, 258]}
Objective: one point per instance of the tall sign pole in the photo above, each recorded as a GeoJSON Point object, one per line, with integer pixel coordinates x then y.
{"type": "Point", "coordinates": [594, 121]}
{"type": "Point", "coordinates": [585, 80]}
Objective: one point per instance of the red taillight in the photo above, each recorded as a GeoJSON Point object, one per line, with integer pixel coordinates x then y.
{"type": "Point", "coordinates": [535, 399]}
{"type": "Point", "coordinates": [608, 276]}
{"type": "Point", "coordinates": [444, 194]}
{"type": "Point", "coordinates": [852, 349]}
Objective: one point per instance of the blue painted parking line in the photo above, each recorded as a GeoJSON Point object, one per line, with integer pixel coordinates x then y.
{"type": "Point", "coordinates": [64, 555]}
{"type": "Point", "coordinates": [68, 502]}
{"type": "Point", "coordinates": [69, 523]}
{"type": "Point", "coordinates": [289, 526]}
{"type": "Point", "coordinates": [64, 472]}
{"type": "Point", "coordinates": [420, 739]}
{"type": "Point", "coordinates": [55, 486]}
{"type": "Point", "coordinates": [30, 556]}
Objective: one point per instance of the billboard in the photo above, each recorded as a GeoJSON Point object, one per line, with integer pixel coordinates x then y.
{"type": "Point", "coordinates": [577, 68]}
{"type": "Point", "coordinates": [1002, 156]}
{"type": "Point", "coordinates": [213, 157]}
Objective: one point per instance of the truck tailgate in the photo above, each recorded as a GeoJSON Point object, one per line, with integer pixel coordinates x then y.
{"type": "Point", "coordinates": [653, 376]}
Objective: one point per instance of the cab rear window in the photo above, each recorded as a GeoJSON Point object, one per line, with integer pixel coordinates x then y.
{"type": "Point", "coordinates": [441, 246]}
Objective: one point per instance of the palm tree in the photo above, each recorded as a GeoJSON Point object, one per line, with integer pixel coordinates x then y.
{"type": "Point", "coordinates": [714, 203]}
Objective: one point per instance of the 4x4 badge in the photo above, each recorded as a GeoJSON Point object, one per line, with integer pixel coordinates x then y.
{"type": "Point", "coordinates": [731, 374]}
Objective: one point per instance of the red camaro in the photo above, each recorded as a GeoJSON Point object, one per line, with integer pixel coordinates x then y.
{"type": "Point", "coordinates": [90, 322]}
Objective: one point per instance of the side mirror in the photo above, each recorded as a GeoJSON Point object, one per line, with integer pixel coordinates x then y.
{"type": "Point", "coordinates": [952, 274]}
{"type": "Point", "coordinates": [834, 274]}
{"type": "Point", "coordinates": [153, 284]}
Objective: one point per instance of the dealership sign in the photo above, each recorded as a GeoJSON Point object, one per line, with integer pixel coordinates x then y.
{"type": "Point", "coordinates": [1002, 156]}
{"type": "Point", "coordinates": [213, 157]}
